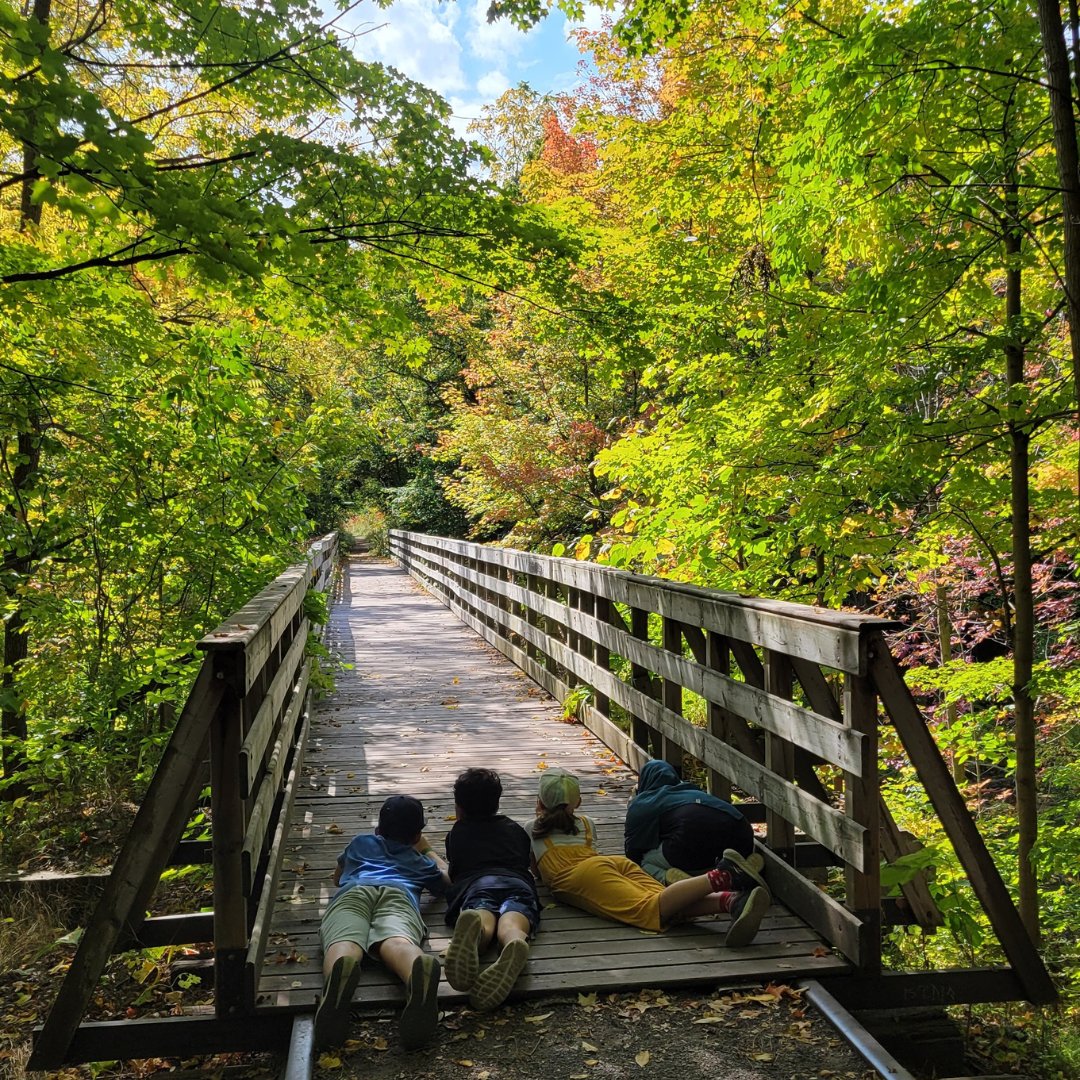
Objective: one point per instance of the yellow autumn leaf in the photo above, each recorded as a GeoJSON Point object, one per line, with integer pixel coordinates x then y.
{"type": "Point", "coordinates": [465, 1062]}
{"type": "Point", "coordinates": [708, 1020]}
{"type": "Point", "coordinates": [334, 828]}
{"type": "Point", "coordinates": [539, 1018]}
{"type": "Point", "coordinates": [764, 1057]}
{"type": "Point", "coordinates": [643, 1057]}
{"type": "Point", "coordinates": [592, 1061]}
{"type": "Point", "coordinates": [586, 999]}
{"type": "Point", "coordinates": [590, 1048]}
{"type": "Point", "coordinates": [328, 1061]}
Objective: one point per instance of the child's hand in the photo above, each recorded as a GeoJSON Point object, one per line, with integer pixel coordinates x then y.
{"type": "Point", "coordinates": [422, 845]}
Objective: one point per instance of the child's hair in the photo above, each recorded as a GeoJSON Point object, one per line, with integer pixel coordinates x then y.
{"type": "Point", "coordinates": [477, 792]}
{"type": "Point", "coordinates": [561, 819]}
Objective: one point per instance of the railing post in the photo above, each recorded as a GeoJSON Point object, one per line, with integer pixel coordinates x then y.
{"type": "Point", "coordinates": [718, 658]}
{"type": "Point", "coordinates": [229, 825]}
{"type": "Point", "coordinates": [672, 693]}
{"type": "Point", "coordinates": [641, 680]}
{"type": "Point", "coordinates": [862, 803]}
{"type": "Point", "coordinates": [779, 753]}
{"type": "Point", "coordinates": [601, 610]}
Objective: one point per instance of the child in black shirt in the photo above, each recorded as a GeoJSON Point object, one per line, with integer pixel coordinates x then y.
{"type": "Point", "coordinates": [492, 895]}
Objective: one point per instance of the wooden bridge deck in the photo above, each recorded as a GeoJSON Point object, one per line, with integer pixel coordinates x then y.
{"type": "Point", "coordinates": [425, 699]}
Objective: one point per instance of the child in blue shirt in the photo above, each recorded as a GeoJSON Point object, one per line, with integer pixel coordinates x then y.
{"type": "Point", "coordinates": [377, 910]}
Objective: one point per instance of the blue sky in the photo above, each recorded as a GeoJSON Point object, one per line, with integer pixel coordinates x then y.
{"type": "Point", "coordinates": [449, 46]}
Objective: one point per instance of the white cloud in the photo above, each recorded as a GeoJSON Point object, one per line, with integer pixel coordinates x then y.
{"type": "Point", "coordinates": [492, 85]}
{"type": "Point", "coordinates": [418, 37]}
{"type": "Point", "coordinates": [495, 40]}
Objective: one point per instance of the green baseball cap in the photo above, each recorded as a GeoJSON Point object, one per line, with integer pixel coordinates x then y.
{"type": "Point", "coordinates": [559, 788]}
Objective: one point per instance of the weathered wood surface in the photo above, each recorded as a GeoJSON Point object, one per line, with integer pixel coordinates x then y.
{"type": "Point", "coordinates": [426, 699]}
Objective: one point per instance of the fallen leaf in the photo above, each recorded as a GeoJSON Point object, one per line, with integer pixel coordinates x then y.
{"type": "Point", "coordinates": [586, 999]}
{"type": "Point", "coordinates": [592, 1061]}
{"type": "Point", "coordinates": [334, 828]}
{"type": "Point", "coordinates": [600, 791]}
{"type": "Point", "coordinates": [483, 1074]}
{"type": "Point", "coordinates": [764, 1057]}
{"type": "Point", "coordinates": [579, 1076]}
{"type": "Point", "coordinates": [450, 817]}
{"type": "Point", "coordinates": [591, 1049]}
{"type": "Point", "coordinates": [643, 1057]}
{"type": "Point", "coordinates": [820, 951]}
{"type": "Point", "coordinates": [380, 1044]}
{"type": "Point", "coordinates": [709, 1020]}
{"type": "Point", "coordinates": [328, 1061]}
{"type": "Point", "coordinates": [465, 1062]}
{"type": "Point", "coordinates": [541, 764]}
{"type": "Point", "coordinates": [537, 1019]}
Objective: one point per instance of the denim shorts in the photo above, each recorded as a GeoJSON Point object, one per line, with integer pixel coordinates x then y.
{"type": "Point", "coordinates": [500, 893]}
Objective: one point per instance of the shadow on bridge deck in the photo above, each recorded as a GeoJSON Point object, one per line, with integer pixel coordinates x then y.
{"type": "Point", "coordinates": [425, 699]}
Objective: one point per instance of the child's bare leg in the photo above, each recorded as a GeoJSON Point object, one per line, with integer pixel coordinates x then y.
{"type": "Point", "coordinates": [419, 971]}
{"type": "Point", "coordinates": [347, 949]}
{"type": "Point", "coordinates": [678, 899]}
{"type": "Point", "coordinates": [513, 926]}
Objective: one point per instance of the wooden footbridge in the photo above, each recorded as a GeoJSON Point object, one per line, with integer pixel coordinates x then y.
{"type": "Point", "coordinates": [777, 704]}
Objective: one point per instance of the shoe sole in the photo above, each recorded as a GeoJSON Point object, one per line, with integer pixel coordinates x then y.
{"type": "Point", "coordinates": [495, 983]}
{"type": "Point", "coordinates": [463, 957]}
{"type": "Point", "coordinates": [420, 1017]}
{"type": "Point", "coordinates": [750, 866]}
{"type": "Point", "coordinates": [744, 928]}
{"type": "Point", "coordinates": [332, 1015]}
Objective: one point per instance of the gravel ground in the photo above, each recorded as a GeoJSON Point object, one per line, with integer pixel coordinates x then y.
{"type": "Point", "coordinates": [756, 1033]}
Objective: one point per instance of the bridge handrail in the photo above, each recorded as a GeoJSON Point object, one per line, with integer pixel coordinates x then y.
{"type": "Point", "coordinates": [249, 706]}
{"type": "Point", "coordinates": [563, 621]}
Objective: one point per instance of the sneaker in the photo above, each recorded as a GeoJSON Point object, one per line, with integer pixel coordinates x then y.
{"type": "Point", "coordinates": [675, 874]}
{"type": "Point", "coordinates": [332, 1015]}
{"type": "Point", "coordinates": [496, 982]}
{"type": "Point", "coordinates": [746, 915]}
{"type": "Point", "coordinates": [463, 957]}
{"type": "Point", "coordinates": [420, 1017]}
{"type": "Point", "coordinates": [745, 871]}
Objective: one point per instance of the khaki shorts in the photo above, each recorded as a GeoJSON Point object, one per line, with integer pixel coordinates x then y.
{"type": "Point", "coordinates": [368, 914]}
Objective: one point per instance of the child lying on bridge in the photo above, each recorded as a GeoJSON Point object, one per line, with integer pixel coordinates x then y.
{"type": "Point", "coordinates": [377, 910]}
{"type": "Point", "coordinates": [563, 847]}
{"type": "Point", "coordinates": [493, 894]}
{"type": "Point", "coordinates": [675, 830]}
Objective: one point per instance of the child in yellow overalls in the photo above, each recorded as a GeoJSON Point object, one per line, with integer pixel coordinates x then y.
{"type": "Point", "coordinates": [564, 851]}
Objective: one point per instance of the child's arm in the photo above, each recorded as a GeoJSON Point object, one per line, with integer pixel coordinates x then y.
{"type": "Point", "coordinates": [424, 848]}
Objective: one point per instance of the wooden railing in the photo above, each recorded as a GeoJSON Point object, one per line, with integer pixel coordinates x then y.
{"type": "Point", "coordinates": [789, 699]}
{"type": "Point", "coordinates": [247, 711]}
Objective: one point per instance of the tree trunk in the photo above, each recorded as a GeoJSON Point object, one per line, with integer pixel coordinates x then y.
{"type": "Point", "coordinates": [1023, 600]}
{"type": "Point", "coordinates": [941, 595]}
{"type": "Point", "coordinates": [1068, 162]}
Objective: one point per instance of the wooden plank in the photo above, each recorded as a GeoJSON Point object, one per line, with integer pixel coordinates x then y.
{"type": "Point", "coordinates": [142, 859]}
{"type": "Point", "coordinates": [164, 930]}
{"type": "Point", "coordinates": [960, 827]}
{"type": "Point", "coordinates": [175, 1036]}
{"type": "Point", "coordinates": [253, 749]}
{"type": "Point", "coordinates": [241, 645]}
{"type": "Point", "coordinates": [926, 989]}
{"type": "Point", "coordinates": [831, 919]}
{"type": "Point", "coordinates": [259, 821]}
